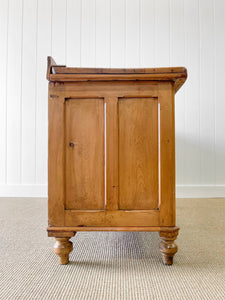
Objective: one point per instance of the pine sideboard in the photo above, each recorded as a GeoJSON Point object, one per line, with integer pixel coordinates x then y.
{"type": "Point", "coordinates": [111, 153]}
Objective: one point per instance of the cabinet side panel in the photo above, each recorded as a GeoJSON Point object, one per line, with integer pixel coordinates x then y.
{"type": "Point", "coordinates": [84, 148]}
{"type": "Point", "coordinates": [138, 153]}
{"type": "Point", "coordinates": [113, 218]}
{"type": "Point", "coordinates": [111, 153]}
{"type": "Point", "coordinates": [55, 160]}
{"type": "Point", "coordinates": [167, 154]}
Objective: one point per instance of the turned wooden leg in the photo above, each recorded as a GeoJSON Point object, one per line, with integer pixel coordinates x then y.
{"type": "Point", "coordinates": [62, 248]}
{"type": "Point", "coordinates": [167, 246]}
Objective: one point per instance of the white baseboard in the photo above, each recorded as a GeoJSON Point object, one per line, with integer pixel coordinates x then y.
{"type": "Point", "coordinates": [24, 190]}
{"type": "Point", "coordinates": [200, 191]}
{"type": "Point", "coordinates": [182, 191]}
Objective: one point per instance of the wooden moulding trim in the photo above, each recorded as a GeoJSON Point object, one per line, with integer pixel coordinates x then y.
{"type": "Point", "coordinates": [103, 89]}
{"type": "Point", "coordinates": [50, 64]}
{"type": "Point", "coordinates": [68, 231]}
{"type": "Point", "coordinates": [111, 218]}
{"type": "Point", "coordinates": [177, 78]}
{"type": "Point", "coordinates": [62, 73]}
{"type": "Point", "coordinates": [167, 155]}
{"type": "Point", "coordinates": [116, 77]}
{"type": "Point", "coordinates": [61, 233]}
{"type": "Point", "coordinates": [66, 70]}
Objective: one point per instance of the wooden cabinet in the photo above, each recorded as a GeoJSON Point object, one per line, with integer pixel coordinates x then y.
{"type": "Point", "coordinates": [112, 153]}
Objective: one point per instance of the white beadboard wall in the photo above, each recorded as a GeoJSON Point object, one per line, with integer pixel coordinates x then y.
{"type": "Point", "coordinates": [112, 33]}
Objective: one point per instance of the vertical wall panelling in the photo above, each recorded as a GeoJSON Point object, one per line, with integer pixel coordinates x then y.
{"type": "Point", "coordinates": [118, 33]}
{"type": "Point", "coordinates": [219, 17]}
{"type": "Point", "coordinates": [3, 83]}
{"type": "Point", "coordinates": [14, 72]}
{"type": "Point", "coordinates": [43, 49]}
{"type": "Point", "coordinates": [192, 151]}
{"type": "Point", "coordinates": [147, 33]}
{"type": "Point", "coordinates": [73, 33]}
{"type": "Point", "coordinates": [177, 28]}
{"type": "Point", "coordinates": [88, 33]}
{"type": "Point", "coordinates": [28, 93]}
{"type": "Point", "coordinates": [177, 58]}
{"type": "Point", "coordinates": [162, 43]}
{"type": "Point", "coordinates": [59, 9]}
{"type": "Point", "coordinates": [112, 33]}
{"type": "Point", "coordinates": [207, 86]}
{"type": "Point", "coordinates": [102, 46]}
{"type": "Point", "coordinates": [132, 55]}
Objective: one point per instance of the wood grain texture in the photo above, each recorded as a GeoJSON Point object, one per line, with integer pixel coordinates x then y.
{"type": "Point", "coordinates": [84, 146]}
{"type": "Point", "coordinates": [178, 78]}
{"type": "Point", "coordinates": [62, 248]}
{"type": "Point", "coordinates": [67, 231]}
{"type": "Point", "coordinates": [112, 157]}
{"type": "Point", "coordinates": [56, 194]}
{"type": "Point", "coordinates": [70, 70]}
{"type": "Point", "coordinates": [167, 154]}
{"type": "Point", "coordinates": [111, 135]}
{"type": "Point", "coordinates": [98, 89]}
{"type": "Point", "coordinates": [138, 153]}
{"type": "Point", "coordinates": [112, 218]}
{"type": "Point", "coordinates": [59, 231]}
{"type": "Point", "coordinates": [167, 246]}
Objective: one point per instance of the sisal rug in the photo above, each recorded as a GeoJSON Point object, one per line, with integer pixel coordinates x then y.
{"type": "Point", "coordinates": [109, 265]}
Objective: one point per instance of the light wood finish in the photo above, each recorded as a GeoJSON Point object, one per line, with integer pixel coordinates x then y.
{"type": "Point", "coordinates": [167, 246]}
{"type": "Point", "coordinates": [66, 70]}
{"type": "Point", "coordinates": [61, 232]}
{"type": "Point", "coordinates": [112, 218]}
{"type": "Point", "coordinates": [66, 231]}
{"type": "Point", "coordinates": [112, 152]}
{"type": "Point", "coordinates": [104, 89]}
{"type": "Point", "coordinates": [167, 154]}
{"type": "Point", "coordinates": [84, 145]}
{"type": "Point", "coordinates": [62, 248]}
{"type": "Point", "coordinates": [111, 135]}
{"type": "Point", "coordinates": [176, 77]}
{"type": "Point", "coordinates": [61, 73]}
{"type": "Point", "coordinates": [50, 63]}
{"type": "Point", "coordinates": [138, 153]}
{"type": "Point", "coordinates": [56, 193]}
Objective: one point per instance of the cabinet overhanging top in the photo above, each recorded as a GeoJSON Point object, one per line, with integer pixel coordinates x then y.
{"type": "Point", "coordinates": [62, 73]}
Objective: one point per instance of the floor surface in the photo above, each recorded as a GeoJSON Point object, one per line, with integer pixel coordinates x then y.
{"type": "Point", "coordinates": [109, 265]}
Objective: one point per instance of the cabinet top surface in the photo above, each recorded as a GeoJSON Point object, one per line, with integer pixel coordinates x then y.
{"type": "Point", "coordinates": [62, 73]}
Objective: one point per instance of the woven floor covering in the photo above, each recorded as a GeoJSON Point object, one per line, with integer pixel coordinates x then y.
{"type": "Point", "coordinates": [112, 265]}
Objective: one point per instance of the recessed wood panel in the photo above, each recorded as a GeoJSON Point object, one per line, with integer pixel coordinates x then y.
{"type": "Point", "coordinates": [138, 153]}
{"type": "Point", "coordinates": [112, 218]}
{"type": "Point", "coordinates": [84, 178]}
